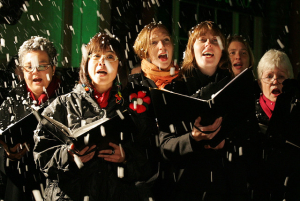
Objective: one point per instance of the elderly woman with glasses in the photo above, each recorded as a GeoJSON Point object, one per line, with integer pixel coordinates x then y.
{"type": "Point", "coordinates": [272, 70]}
{"type": "Point", "coordinates": [37, 60]}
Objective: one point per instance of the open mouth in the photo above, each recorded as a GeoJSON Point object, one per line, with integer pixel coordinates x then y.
{"type": "Point", "coordinates": [101, 72]}
{"type": "Point", "coordinates": [37, 79]}
{"type": "Point", "coordinates": [163, 57]}
{"type": "Point", "coordinates": [238, 65]}
{"type": "Point", "coordinates": [276, 91]}
{"type": "Point", "coordinates": [208, 54]}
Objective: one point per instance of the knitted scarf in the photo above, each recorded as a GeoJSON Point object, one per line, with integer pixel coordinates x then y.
{"type": "Point", "coordinates": [102, 99]}
{"type": "Point", "coordinates": [161, 77]}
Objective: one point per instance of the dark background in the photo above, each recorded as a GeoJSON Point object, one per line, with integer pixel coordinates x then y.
{"type": "Point", "coordinates": [70, 23]}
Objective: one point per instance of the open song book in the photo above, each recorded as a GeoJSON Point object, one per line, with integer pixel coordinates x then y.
{"type": "Point", "coordinates": [176, 113]}
{"type": "Point", "coordinates": [101, 132]}
{"type": "Point", "coordinates": [20, 131]}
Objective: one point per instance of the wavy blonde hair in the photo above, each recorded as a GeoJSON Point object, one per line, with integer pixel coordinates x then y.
{"type": "Point", "coordinates": [142, 42]}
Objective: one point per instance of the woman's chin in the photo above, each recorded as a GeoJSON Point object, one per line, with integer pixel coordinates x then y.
{"type": "Point", "coordinates": [273, 97]}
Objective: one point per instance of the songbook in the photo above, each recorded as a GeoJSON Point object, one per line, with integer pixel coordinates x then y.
{"type": "Point", "coordinates": [117, 129]}
{"type": "Point", "coordinates": [176, 113]}
{"type": "Point", "coordinates": [20, 131]}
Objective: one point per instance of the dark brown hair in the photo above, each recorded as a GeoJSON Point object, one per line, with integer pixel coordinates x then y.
{"type": "Point", "coordinates": [100, 42]}
{"type": "Point", "coordinates": [243, 41]}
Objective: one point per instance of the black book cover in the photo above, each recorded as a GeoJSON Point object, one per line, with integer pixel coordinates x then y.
{"type": "Point", "coordinates": [20, 131]}
{"type": "Point", "coordinates": [176, 113]}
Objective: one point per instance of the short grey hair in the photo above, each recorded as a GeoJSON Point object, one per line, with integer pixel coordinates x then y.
{"type": "Point", "coordinates": [275, 58]}
{"type": "Point", "coordinates": [38, 43]}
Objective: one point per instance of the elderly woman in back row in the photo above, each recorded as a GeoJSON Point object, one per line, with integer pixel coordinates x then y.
{"type": "Point", "coordinates": [273, 69]}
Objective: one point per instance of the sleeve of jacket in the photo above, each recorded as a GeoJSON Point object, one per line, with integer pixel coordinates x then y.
{"type": "Point", "coordinates": [49, 153]}
{"type": "Point", "coordinates": [176, 148]}
{"type": "Point", "coordinates": [4, 122]}
{"type": "Point", "coordinates": [143, 150]}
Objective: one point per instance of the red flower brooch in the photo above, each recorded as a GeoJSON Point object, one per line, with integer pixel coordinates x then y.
{"type": "Point", "coordinates": [139, 102]}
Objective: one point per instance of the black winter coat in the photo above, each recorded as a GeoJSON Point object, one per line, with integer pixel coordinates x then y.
{"type": "Point", "coordinates": [198, 171]}
{"type": "Point", "coordinates": [164, 180]}
{"type": "Point", "coordinates": [283, 145]}
{"type": "Point", "coordinates": [98, 178]}
{"type": "Point", "coordinates": [23, 175]}
{"type": "Point", "coordinates": [208, 174]}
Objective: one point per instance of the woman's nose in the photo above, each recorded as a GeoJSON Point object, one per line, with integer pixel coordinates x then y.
{"type": "Point", "coordinates": [207, 43]}
{"type": "Point", "coordinates": [275, 80]}
{"type": "Point", "coordinates": [101, 60]}
{"type": "Point", "coordinates": [161, 44]}
{"type": "Point", "coordinates": [35, 70]}
{"type": "Point", "coordinates": [238, 56]}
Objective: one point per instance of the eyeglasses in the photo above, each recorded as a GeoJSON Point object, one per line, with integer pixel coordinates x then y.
{"type": "Point", "coordinates": [98, 57]}
{"type": "Point", "coordinates": [38, 68]}
{"type": "Point", "coordinates": [270, 80]}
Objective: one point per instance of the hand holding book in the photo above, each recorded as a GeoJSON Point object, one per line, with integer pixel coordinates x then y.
{"type": "Point", "coordinates": [16, 152]}
{"type": "Point", "coordinates": [176, 112]}
{"type": "Point", "coordinates": [85, 154]}
{"type": "Point", "coordinates": [117, 155]}
{"type": "Point", "coordinates": [199, 132]}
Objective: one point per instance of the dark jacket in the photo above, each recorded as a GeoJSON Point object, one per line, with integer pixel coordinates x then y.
{"type": "Point", "coordinates": [208, 174]}
{"type": "Point", "coordinates": [282, 145]}
{"type": "Point", "coordinates": [98, 178]}
{"type": "Point", "coordinates": [164, 180]}
{"type": "Point", "coordinates": [198, 171]}
{"type": "Point", "coordinates": [23, 175]}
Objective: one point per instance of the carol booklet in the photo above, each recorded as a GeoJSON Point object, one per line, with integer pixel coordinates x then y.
{"type": "Point", "coordinates": [176, 113]}
{"type": "Point", "coordinates": [20, 131]}
{"type": "Point", "coordinates": [100, 133]}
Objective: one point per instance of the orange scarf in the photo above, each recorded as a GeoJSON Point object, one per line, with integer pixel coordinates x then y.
{"type": "Point", "coordinates": [161, 77]}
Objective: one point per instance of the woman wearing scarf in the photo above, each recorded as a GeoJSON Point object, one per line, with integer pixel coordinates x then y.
{"type": "Point", "coordinates": [37, 60]}
{"type": "Point", "coordinates": [272, 70]}
{"type": "Point", "coordinates": [154, 46]}
{"type": "Point", "coordinates": [111, 174]}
